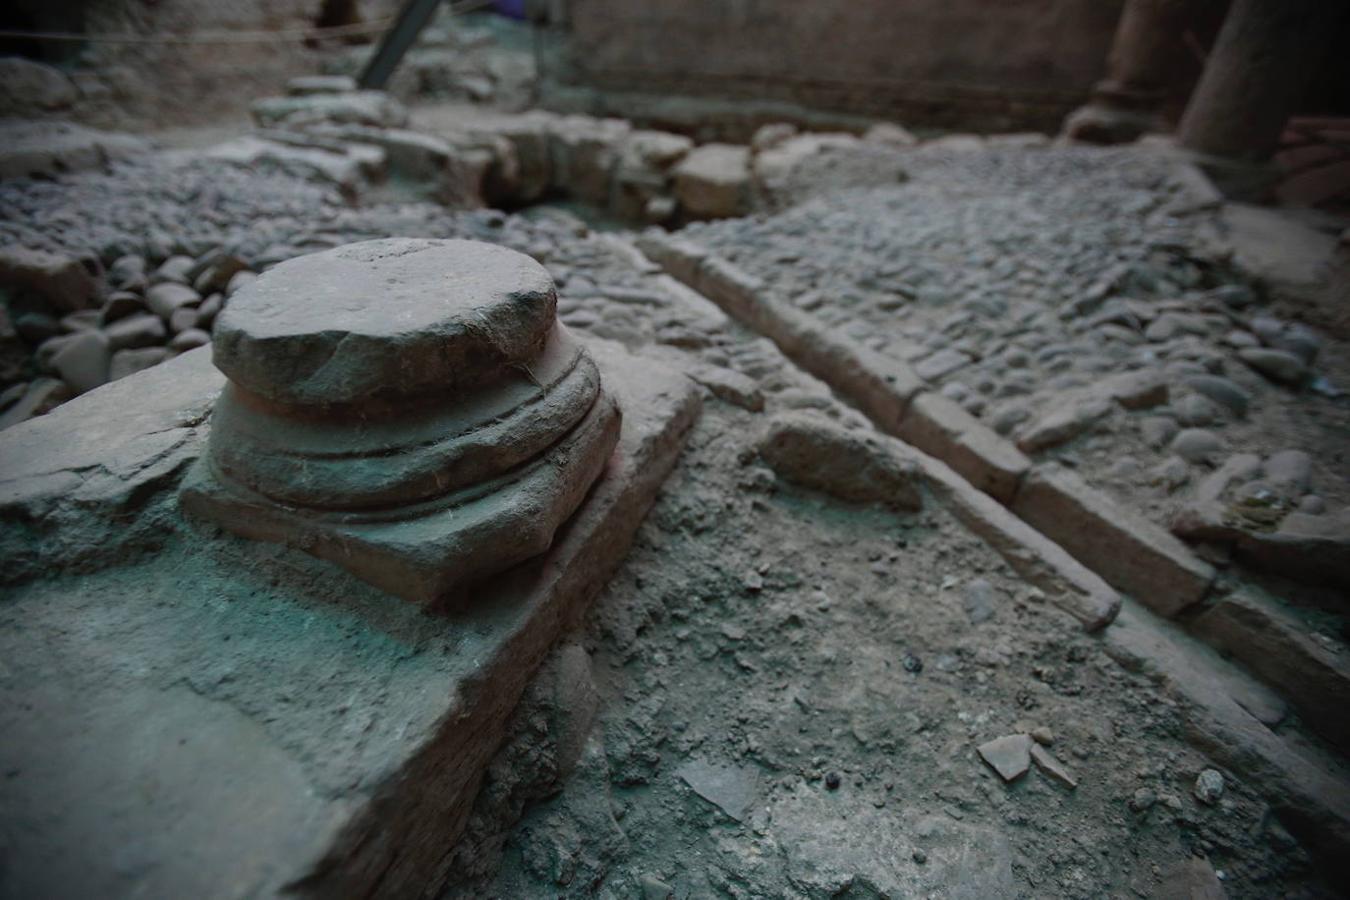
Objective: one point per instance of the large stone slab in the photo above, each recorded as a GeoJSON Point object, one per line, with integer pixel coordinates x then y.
{"type": "Point", "coordinates": [230, 718]}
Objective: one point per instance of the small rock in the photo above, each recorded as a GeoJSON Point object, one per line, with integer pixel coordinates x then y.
{"type": "Point", "coordinates": [143, 330]}
{"type": "Point", "coordinates": [1043, 736]}
{"type": "Point", "coordinates": [1143, 800]}
{"type": "Point", "coordinates": [43, 395]}
{"type": "Point", "coordinates": [912, 663]}
{"type": "Point", "coordinates": [63, 281]}
{"type": "Point", "coordinates": [655, 889]}
{"type": "Point", "coordinates": [128, 272]}
{"type": "Point", "coordinates": [1158, 431]}
{"type": "Point", "coordinates": [1312, 505]}
{"type": "Point", "coordinates": [183, 319]}
{"type": "Point", "coordinates": [120, 305]}
{"type": "Point", "coordinates": [889, 134]}
{"type": "Point", "coordinates": [1237, 296]}
{"type": "Point", "coordinates": [1009, 756]}
{"type": "Point", "coordinates": [1290, 472]}
{"type": "Point", "coordinates": [207, 312]}
{"type": "Point", "coordinates": [189, 340]}
{"type": "Point", "coordinates": [80, 321]}
{"type": "Point", "coordinates": [166, 298]}
{"type": "Point", "coordinates": [1278, 365]}
{"type": "Point", "coordinates": [1209, 787]}
{"type": "Point", "coordinates": [35, 328]}
{"type": "Point", "coordinates": [941, 364]}
{"type": "Point", "coordinates": [1195, 410]}
{"type": "Point", "coordinates": [1197, 446]}
{"type": "Point", "coordinates": [1193, 879]}
{"type": "Point", "coordinates": [1222, 391]}
{"type": "Point", "coordinates": [129, 362]}
{"type": "Point", "coordinates": [239, 280]}
{"type": "Point", "coordinates": [175, 269]}
{"type": "Point", "coordinates": [919, 856]}
{"type": "Point", "coordinates": [1172, 473]}
{"type": "Point", "coordinates": [832, 781]}
{"type": "Point", "coordinates": [730, 788]}
{"type": "Point", "coordinates": [83, 362]}
{"type": "Point", "coordinates": [979, 600]}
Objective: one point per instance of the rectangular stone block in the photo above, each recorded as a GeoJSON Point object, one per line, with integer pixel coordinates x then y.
{"type": "Point", "coordinates": [1130, 552]}
{"type": "Point", "coordinates": [939, 427]}
{"type": "Point", "coordinates": [1069, 585]}
{"type": "Point", "coordinates": [1270, 640]}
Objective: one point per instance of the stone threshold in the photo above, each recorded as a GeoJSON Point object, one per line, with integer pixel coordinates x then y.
{"type": "Point", "coordinates": [1047, 514]}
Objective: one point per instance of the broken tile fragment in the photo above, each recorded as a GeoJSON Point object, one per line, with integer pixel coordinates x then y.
{"type": "Point", "coordinates": [1009, 756]}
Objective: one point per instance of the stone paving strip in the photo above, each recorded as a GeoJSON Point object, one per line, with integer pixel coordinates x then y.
{"type": "Point", "coordinates": [1056, 530]}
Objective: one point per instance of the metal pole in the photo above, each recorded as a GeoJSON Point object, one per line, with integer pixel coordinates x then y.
{"type": "Point", "coordinates": [411, 20]}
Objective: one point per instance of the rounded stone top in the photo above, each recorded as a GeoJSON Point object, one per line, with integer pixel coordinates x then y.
{"type": "Point", "coordinates": [382, 319]}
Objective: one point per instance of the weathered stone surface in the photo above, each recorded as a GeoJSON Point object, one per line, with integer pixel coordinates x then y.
{"type": "Point", "coordinates": [301, 728]}
{"type": "Point", "coordinates": [465, 312]}
{"type": "Point", "coordinates": [69, 478]}
{"type": "Point", "coordinates": [713, 181]}
{"type": "Point", "coordinates": [815, 453]}
{"type": "Point", "coordinates": [1129, 551]}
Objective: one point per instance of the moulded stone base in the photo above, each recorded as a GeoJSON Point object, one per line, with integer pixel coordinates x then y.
{"type": "Point", "coordinates": [423, 553]}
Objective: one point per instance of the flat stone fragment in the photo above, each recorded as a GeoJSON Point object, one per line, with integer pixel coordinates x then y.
{"type": "Point", "coordinates": [1047, 763]}
{"type": "Point", "coordinates": [731, 789]}
{"type": "Point", "coordinates": [1009, 756]}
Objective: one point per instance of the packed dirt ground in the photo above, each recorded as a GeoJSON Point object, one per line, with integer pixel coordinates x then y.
{"type": "Point", "coordinates": [793, 688]}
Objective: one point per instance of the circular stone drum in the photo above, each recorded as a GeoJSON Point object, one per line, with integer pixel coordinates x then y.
{"type": "Point", "coordinates": [409, 409]}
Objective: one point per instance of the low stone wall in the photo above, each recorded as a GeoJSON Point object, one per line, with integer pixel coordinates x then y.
{"type": "Point", "coordinates": [956, 63]}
